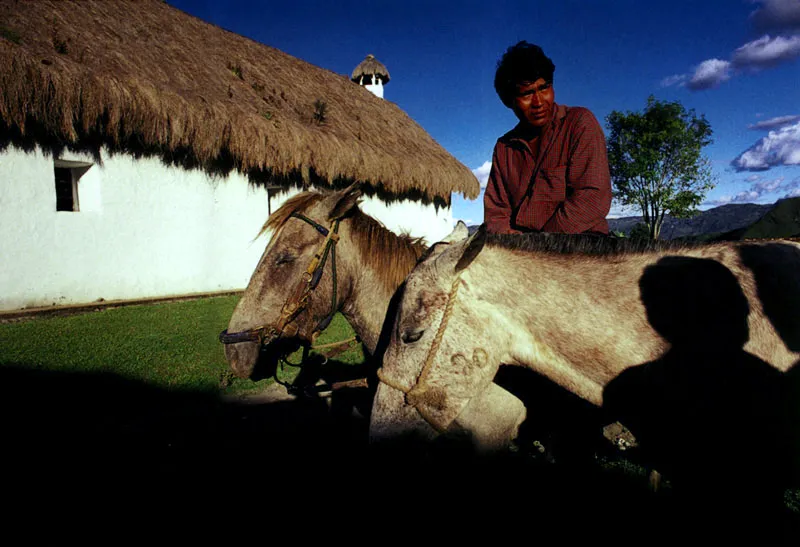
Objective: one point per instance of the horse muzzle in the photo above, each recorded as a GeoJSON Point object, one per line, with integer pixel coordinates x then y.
{"type": "Point", "coordinates": [242, 357]}
{"type": "Point", "coordinates": [393, 421]}
{"type": "Point", "coordinates": [490, 420]}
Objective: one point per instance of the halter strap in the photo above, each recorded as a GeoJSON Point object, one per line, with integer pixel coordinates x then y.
{"type": "Point", "coordinates": [422, 380]}
{"type": "Point", "coordinates": [297, 301]}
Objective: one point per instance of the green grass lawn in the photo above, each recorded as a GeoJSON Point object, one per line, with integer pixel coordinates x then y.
{"type": "Point", "coordinates": [168, 345]}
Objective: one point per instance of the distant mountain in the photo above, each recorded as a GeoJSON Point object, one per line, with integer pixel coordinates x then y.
{"type": "Point", "coordinates": [732, 221]}
{"type": "Point", "coordinates": [722, 219]}
{"type": "Point", "coordinates": [782, 220]}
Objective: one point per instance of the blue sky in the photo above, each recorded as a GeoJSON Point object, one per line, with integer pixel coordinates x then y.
{"type": "Point", "coordinates": [735, 61]}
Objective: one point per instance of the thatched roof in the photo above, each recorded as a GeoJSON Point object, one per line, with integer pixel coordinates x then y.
{"type": "Point", "coordinates": [369, 66]}
{"type": "Point", "coordinates": [144, 77]}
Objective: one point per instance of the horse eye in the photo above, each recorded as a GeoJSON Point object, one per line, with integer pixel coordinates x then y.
{"type": "Point", "coordinates": [284, 258]}
{"type": "Point", "coordinates": [409, 337]}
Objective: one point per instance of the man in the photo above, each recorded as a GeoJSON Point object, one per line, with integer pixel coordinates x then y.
{"type": "Point", "coordinates": [549, 173]}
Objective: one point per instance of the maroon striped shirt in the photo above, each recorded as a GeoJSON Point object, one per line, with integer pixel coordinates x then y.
{"type": "Point", "coordinates": [566, 189]}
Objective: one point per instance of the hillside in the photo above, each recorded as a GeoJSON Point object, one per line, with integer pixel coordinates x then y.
{"type": "Point", "coordinates": [782, 220]}
{"type": "Point", "coordinates": [722, 219]}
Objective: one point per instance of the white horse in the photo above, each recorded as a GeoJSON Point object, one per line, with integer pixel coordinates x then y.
{"type": "Point", "coordinates": [691, 347]}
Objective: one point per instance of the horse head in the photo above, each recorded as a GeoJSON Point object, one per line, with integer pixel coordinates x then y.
{"type": "Point", "coordinates": [437, 379]}
{"type": "Point", "coordinates": [299, 282]}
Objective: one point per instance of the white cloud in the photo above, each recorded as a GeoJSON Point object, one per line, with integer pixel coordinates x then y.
{"type": "Point", "coordinates": [675, 79]}
{"type": "Point", "coordinates": [793, 194]}
{"type": "Point", "coordinates": [780, 147]}
{"type": "Point", "coordinates": [748, 195]}
{"type": "Point", "coordinates": [766, 51]}
{"type": "Point", "coordinates": [781, 17]}
{"type": "Point", "coordinates": [482, 173]}
{"type": "Point", "coordinates": [774, 123]}
{"type": "Point", "coordinates": [619, 211]}
{"type": "Point", "coordinates": [723, 200]}
{"type": "Point", "coordinates": [768, 186]}
{"type": "Point", "coordinates": [759, 190]}
{"type": "Point", "coordinates": [776, 15]}
{"type": "Point", "coordinates": [709, 74]}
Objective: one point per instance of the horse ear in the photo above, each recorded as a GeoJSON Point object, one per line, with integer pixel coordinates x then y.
{"type": "Point", "coordinates": [459, 232]}
{"type": "Point", "coordinates": [346, 201]}
{"type": "Point", "coordinates": [472, 248]}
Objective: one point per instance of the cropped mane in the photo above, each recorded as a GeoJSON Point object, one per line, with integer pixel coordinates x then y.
{"type": "Point", "coordinates": [391, 256]}
{"type": "Point", "coordinates": [583, 244]}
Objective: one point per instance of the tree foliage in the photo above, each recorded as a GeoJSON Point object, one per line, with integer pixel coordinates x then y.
{"type": "Point", "coordinates": [656, 160]}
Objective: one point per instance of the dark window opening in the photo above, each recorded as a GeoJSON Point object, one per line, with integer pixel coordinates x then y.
{"type": "Point", "coordinates": [66, 190]}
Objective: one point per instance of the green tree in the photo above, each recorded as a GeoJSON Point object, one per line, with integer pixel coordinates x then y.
{"type": "Point", "coordinates": [656, 161]}
{"type": "Point", "coordinates": [640, 231]}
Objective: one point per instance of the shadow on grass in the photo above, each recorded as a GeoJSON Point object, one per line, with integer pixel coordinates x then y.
{"type": "Point", "coordinates": [82, 432]}
{"type": "Point", "coordinates": [101, 423]}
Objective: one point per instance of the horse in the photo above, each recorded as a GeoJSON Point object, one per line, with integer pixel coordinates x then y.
{"type": "Point", "coordinates": [691, 346]}
{"type": "Point", "coordinates": [325, 256]}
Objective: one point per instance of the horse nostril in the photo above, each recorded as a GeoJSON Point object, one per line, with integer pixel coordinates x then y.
{"type": "Point", "coordinates": [411, 336]}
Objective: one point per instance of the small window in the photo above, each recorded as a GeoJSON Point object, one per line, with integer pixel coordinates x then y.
{"type": "Point", "coordinates": [67, 175]}
{"type": "Point", "coordinates": [66, 190]}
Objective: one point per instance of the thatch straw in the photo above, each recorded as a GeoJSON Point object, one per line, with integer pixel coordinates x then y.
{"type": "Point", "coordinates": [369, 66]}
{"type": "Point", "coordinates": [144, 77]}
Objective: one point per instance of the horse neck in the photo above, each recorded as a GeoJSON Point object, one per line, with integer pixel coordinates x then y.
{"type": "Point", "coordinates": [371, 287]}
{"type": "Point", "coordinates": [530, 301]}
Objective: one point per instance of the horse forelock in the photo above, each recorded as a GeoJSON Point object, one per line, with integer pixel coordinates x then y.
{"type": "Point", "coordinates": [582, 244]}
{"type": "Point", "coordinates": [295, 204]}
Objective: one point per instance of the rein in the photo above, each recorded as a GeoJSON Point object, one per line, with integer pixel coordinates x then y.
{"type": "Point", "coordinates": [412, 393]}
{"type": "Point", "coordinates": [297, 301]}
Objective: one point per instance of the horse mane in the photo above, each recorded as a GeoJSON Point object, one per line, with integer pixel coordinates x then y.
{"type": "Point", "coordinates": [584, 244]}
{"type": "Point", "coordinates": [392, 256]}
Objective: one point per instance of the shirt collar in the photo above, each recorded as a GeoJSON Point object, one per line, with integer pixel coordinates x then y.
{"type": "Point", "coordinates": [514, 136]}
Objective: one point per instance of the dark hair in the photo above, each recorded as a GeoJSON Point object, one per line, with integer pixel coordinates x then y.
{"type": "Point", "coordinates": [522, 62]}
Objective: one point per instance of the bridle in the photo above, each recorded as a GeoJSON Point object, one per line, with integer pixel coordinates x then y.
{"type": "Point", "coordinates": [298, 299]}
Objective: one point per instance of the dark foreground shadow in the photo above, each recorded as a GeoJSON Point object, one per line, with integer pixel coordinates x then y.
{"type": "Point", "coordinates": [79, 442]}
{"type": "Point", "coordinates": [711, 416]}
{"type": "Point", "coordinates": [566, 428]}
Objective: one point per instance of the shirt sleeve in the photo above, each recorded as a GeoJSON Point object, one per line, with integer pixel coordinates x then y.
{"type": "Point", "coordinates": [496, 205]}
{"type": "Point", "coordinates": [588, 181]}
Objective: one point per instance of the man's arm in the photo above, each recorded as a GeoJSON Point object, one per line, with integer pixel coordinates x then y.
{"type": "Point", "coordinates": [589, 182]}
{"type": "Point", "coordinates": [496, 205]}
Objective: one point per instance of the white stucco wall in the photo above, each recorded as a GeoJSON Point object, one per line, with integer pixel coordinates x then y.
{"type": "Point", "coordinates": [412, 218]}
{"type": "Point", "coordinates": [373, 84]}
{"type": "Point", "coordinates": [144, 230]}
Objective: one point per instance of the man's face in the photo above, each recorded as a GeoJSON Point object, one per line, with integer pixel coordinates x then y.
{"type": "Point", "coordinates": [533, 103]}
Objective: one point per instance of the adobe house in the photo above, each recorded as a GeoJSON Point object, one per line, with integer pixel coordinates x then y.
{"type": "Point", "coordinates": [142, 149]}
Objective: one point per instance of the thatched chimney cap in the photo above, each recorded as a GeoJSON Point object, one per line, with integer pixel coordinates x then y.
{"type": "Point", "coordinates": [369, 66]}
